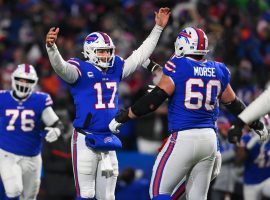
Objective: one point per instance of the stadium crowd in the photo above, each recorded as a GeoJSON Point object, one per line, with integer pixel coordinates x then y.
{"type": "Point", "coordinates": [238, 33]}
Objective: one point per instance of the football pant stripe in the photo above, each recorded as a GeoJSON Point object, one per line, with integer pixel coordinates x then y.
{"type": "Point", "coordinates": [161, 165]}
{"type": "Point", "coordinates": [179, 192]}
{"type": "Point", "coordinates": [75, 136]}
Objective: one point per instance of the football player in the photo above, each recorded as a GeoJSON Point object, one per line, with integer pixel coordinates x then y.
{"type": "Point", "coordinates": [23, 116]}
{"type": "Point", "coordinates": [194, 87]}
{"type": "Point", "coordinates": [94, 87]}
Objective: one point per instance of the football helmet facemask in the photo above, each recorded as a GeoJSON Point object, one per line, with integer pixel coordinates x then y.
{"type": "Point", "coordinates": [23, 80]}
{"type": "Point", "coordinates": [191, 41]}
{"type": "Point", "coordinates": [99, 49]}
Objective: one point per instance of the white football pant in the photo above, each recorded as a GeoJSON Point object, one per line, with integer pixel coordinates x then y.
{"type": "Point", "coordinates": [20, 175]}
{"type": "Point", "coordinates": [189, 153]}
{"type": "Point", "coordinates": [257, 191]}
{"type": "Point", "coordinates": [89, 181]}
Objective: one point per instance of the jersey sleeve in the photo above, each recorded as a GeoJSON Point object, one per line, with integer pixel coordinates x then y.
{"type": "Point", "coordinates": [226, 76]}
{"type": "Point", "coordinates": [45, 99]}
{"type": "Point", "coordinates": [75, 62]}
{"type": "Point", "coordinates": [169, 69]}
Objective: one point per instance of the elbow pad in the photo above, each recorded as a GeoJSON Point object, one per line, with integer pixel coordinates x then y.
{"type": "Point", "coordinates": [149, 102]}
{"type": "Point", "coordinates": [236, 106]}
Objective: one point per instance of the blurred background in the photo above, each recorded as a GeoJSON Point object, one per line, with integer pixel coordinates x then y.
{"type": "Point", "coordinates": [238, 33]}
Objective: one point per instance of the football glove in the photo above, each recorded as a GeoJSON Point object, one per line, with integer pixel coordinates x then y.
{"type": "Point", "coordinates": [114, 126]}
{"type": "Point", "coordinates": [235, 132]}
{"type": "Point", "coordinates": [263, 132]}
{"type": "Point", "coordinates": [118, 121]}
{"type": "Point", "coordinates": [52, 134]}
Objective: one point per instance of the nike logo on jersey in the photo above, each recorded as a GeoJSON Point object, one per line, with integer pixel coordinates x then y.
{"type": "Point", "coordinates": [204, 71]}
{"type": "Point", "coordinates": [90, 74]}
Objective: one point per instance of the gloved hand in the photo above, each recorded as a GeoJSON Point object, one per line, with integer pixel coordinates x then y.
{"type": "Point", "coordinates": [52, 134]}
{"type": "Point", "coordinates": [235, 132]}
{"type": "Point", "coordinates": [114, 126]}
{"type": "Point", "coordinates": [118, 121]}
{"type": "Point", "coordinates": [262, 132]}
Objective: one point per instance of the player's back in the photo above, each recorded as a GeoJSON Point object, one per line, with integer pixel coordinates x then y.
{"type": "Point", "coordinates": [95, 95]}
{"type": "Point", "coordinates": [21, 126]}
{"type": "Point", "coordinates": [198, 85]}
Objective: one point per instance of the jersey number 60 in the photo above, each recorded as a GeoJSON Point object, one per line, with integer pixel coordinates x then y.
{"type": "Point", "coordinates": [199, 97]}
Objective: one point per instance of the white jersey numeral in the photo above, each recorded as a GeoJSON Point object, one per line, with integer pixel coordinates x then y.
{"type": "Point", "coordinates": [100, 104]}
{"type": "Point", "coordinates": [27, 124]}
{"type": "Point", "coordinates": [198, 97]}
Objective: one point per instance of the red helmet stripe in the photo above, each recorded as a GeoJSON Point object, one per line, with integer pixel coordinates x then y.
{"type": "Point", "coordinates": [27, 68]}
{"type": "Point", "coordinates": [106, 38]}
{"type": "Point", "coordinates": [201, 39]}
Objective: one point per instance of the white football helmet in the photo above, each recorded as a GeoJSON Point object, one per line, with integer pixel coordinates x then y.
{"type": "Point", "coordinates": [191, 41]}
{"type": "Point", "coordinates": [23, 80]}
{"type": "Point", "coordinates": [98, 41]}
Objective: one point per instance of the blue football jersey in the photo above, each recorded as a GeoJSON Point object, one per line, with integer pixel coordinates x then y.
{"type": "Point", "coordinates": [95, 95]}
{"type": "Point", "coordinates": [257, 163]}
{"type": "Point", "coordinates": [198, 86]}
{"type": "Point", "coordinates": [21, 127]}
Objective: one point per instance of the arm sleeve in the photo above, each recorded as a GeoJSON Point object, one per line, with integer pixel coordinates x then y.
{"type": "Point", "coordinates": [48, 116]}
{"type": "Point", "coordinates": [65, 70]}
{"type": "Point", "coordinates": [169, 69]}
{"type": "Point", "coordinates": [139, 56]}
{"type": "Point", "coordinates": [258, 108]}
{"type": "Point", "coordinates": [226, 76]}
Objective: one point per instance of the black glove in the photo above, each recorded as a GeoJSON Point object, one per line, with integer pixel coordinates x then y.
{"type": "Point", "coordinates": [257, 125]}
{"type": "Point", "coordinates": [235, 133]}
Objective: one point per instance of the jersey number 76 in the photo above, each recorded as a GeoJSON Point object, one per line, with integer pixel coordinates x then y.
{"type": "Point", "coordinates": [26, 123]}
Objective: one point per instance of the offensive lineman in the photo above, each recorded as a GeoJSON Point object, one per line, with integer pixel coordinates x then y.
{"type": "Point", "coordinates": [94, 86]}
{"type": "Point", "coordinates": [194, 86]}
{"type": "Point", "coordinates": [23, 116]}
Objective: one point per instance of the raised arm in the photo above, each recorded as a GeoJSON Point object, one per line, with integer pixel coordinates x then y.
{"type": "Point", "coordinates": [139, 56]}
{"type": "Point", "coordinates": [65, 70]}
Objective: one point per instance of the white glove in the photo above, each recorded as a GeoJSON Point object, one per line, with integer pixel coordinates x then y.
{"type": "Point", "coordinates": [217, 166]}
{"type": "Point", "coordinates": [114, 126]}
{"type": "Point", "coordinates": [26, 165]}
{"type": "Point", "coordinates": [106, 165]}
{"type": "Point", "coordinates": [263, 133]}
{"type": "Point", "coordinates": [52, 134]}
